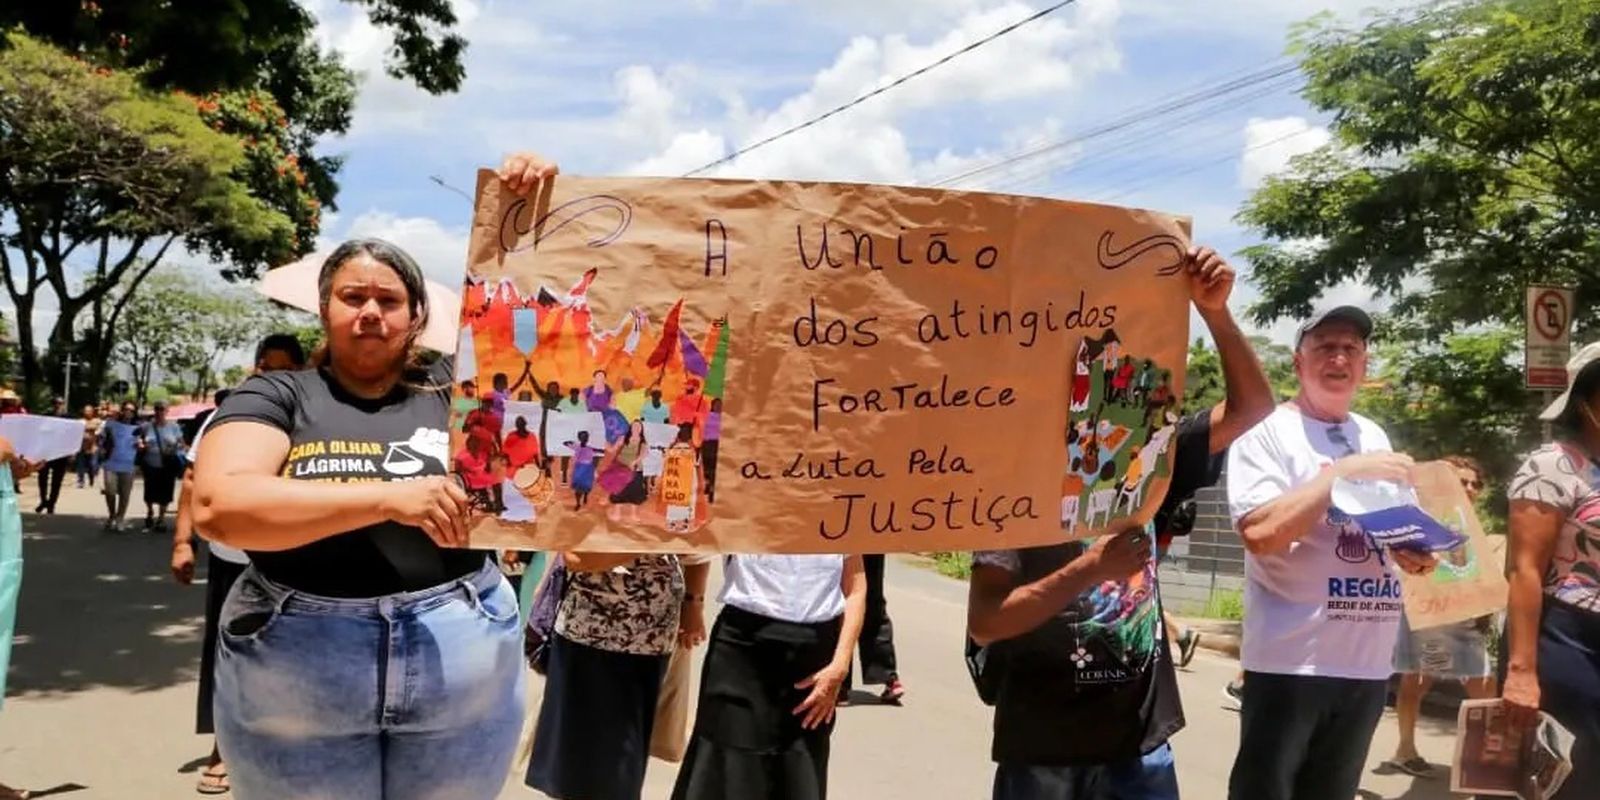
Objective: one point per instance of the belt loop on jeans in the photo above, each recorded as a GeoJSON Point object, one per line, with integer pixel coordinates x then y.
{"type": "Point", "coordinates": [469, 587]}
{"type": "Point", "coordinates": [283, 600]}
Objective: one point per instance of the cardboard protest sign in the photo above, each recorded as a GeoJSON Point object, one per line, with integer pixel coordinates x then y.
{"type": "Point", "coordinates": [802, 367]}
{"type": "Point", "coordinates": [1469, 581]}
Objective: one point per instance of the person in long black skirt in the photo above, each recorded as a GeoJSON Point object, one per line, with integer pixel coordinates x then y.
{"type": "Point", "coordinates": [619, 621]}
{"type": "Point", "coordinates": [877, 641]}
{"type": "Point", "coordinates": [778, 656]}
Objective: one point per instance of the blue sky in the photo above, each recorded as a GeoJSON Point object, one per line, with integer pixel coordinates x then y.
{"type": "Point", "coordinates": [636, 87]}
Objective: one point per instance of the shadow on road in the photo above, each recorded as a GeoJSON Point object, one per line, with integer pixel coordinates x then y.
{"type": "Point", "coordinates": [100, 609]}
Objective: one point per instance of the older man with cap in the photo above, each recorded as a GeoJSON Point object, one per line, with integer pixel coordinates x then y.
{"type": "Point", "coordinates": [1322, 607]}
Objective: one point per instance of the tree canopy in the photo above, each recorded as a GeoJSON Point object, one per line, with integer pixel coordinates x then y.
{"type": "Point", "coordinates": [127, 127]}
{"type": "Point", "coordinates": [101, 167]}
{"type": "Point", "coordinates": [171, 328]}
{"type": "Point", "coordinates": [1464, 166]}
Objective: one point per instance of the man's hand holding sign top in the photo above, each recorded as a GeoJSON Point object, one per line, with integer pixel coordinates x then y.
{"type": "Point", "coordinates": [1071, 637]}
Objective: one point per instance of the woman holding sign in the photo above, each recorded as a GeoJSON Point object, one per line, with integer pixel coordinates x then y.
{"type": "Point", "coordinates": [364, 653]}
{"type": "Point", "coordinates": [1553, 624]}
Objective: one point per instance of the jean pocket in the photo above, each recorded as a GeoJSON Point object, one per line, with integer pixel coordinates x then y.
{"type": "Point", "coordinates": [248, 613]}
{"type": "Point", "coordinates": [498, 604]}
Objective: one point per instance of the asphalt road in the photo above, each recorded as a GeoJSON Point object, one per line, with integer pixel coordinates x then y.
{"type": "Point", "coordinates": [101, 693]}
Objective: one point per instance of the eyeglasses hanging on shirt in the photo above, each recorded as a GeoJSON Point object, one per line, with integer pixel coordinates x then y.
{"type": "Point", "coordinates": [1336, 435]}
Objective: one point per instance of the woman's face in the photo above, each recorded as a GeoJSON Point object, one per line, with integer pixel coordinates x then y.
{"type": "Point", "coordinates": [599, 381]}
{"type": "Point", "coordinates": [1471, 483]}
{"type": "Point", "coordinates": [367, 317]}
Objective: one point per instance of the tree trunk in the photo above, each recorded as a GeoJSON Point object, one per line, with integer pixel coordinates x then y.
{"type": "Point", "coordinates": [31, 369]}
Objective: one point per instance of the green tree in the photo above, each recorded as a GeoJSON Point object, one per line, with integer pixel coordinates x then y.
{"type": "Point", "coordinates": [1462, 395]}
{"type": "Point", "coordinates": [204, 45]}
{"type": "Point", "coordinates": [157, 325]}
{"type": "Point", "coordinates": [247, 317]}
{"type": "Point", "coordinates": [1204, 387]}
{"type": "Point", "coordinates": [1462, 168]}
{"type": "Point", "coordinates": [8, 352]}
{"type": "Point", "coordinates": [254, 71]}
{"type": "Point", "coordinates": [96, 164]}
{"type": "Point", "coordinates": [234, 375]}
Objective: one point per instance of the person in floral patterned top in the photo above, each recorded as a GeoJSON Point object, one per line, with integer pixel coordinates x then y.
{"type": "Point", "coordinates": [1553, 626]}
{"type": "Point", "coordinates": [620, 619]}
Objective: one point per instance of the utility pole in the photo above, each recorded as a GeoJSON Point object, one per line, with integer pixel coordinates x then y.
{"type": "Point", "coordinates": [66, 385]}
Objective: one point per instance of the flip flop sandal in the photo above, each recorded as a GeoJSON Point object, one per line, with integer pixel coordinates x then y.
{"type": "Point", "coordinates": [1416, 766]}
{"type": "Point", "coordinates": [213, 783]}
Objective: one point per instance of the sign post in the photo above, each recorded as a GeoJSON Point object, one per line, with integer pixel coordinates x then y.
{"type": "Point", "coordinates": [1549, 340]}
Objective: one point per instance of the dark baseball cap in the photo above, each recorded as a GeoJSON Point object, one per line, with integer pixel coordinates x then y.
{"type": "Point", "coordinates": [1350, 314]}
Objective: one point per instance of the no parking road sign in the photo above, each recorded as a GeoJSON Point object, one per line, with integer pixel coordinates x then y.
{"type": "Point", "coordinates": [1549, 337]}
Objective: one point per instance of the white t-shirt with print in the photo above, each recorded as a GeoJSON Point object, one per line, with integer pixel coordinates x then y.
{"type": "Point", "coordinates": [1329, 605]}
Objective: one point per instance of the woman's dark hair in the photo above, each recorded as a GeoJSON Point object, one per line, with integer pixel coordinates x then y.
{"type": "Point", "coordinates": [385, 253]}
{"type": "Point", "coordinates": [405, 267]}
{"type": "Point", "coordinates": [285, 343]}
{"type": "Point", "coordinates": [1570, 423]}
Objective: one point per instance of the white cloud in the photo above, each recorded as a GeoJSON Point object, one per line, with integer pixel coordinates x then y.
{"type": "Point", "coordinates": [385, 103]}
{"type": "Point", "coordinates": [685, 152]}
{"type": "Point", "coordinates": [440, 249]}
{"type": "Point", "coordinates": [878, 15]}
{"type": "Point", "coordinates": [1269, 144]}
{"type": "Point", "coordinates": [1044, 59]}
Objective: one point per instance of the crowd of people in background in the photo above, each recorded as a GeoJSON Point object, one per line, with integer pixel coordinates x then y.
{"type": "Point", "coordinates": [316, 571]}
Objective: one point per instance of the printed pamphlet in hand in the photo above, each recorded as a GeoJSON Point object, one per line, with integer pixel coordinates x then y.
{"type": "Point", "coordinates": [42, 438]}
{"type": "Point", "coordinates": [1391, 516]}
{"type": "Point", "coordinates": [1495, 760]}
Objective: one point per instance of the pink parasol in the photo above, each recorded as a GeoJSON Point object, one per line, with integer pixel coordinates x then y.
{"type": "Point", "coordinates": [187, 410]}
{"type": "Point", "coordinates": [295, 285]}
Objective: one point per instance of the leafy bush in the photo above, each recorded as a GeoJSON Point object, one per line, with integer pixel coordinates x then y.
{"type": "Point", "coordinates": [955, 565]}
{"type": "Point", "coordinates": [1225, 604]}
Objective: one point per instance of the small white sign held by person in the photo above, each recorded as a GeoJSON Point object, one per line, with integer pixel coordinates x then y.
{"type": "Point", "coordinates": [1549, 337]}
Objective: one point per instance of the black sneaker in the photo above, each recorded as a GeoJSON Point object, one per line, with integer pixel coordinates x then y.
{"type": "Point", "coordinates": [1234, 691]}
{"type": "Point", "coordinates": [1188, 643]}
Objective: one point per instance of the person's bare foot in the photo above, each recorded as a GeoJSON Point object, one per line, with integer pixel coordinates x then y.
{"type": "Point", "coordinates": [8, 793]}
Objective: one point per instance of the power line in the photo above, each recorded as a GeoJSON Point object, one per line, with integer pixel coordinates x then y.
{"type": "Point", "coordinates": [1198, 167]}
{"type": "Point", "coordinates": [1094, 161]}
{"type": "Point", "coordinates": [440, 181]}
{"type": "Point", "coordinates": [1107, 173]}
{"type": "Point", "coordinates": [880, 90]}
{"type": "Point", "coordinates": [1179, 103]}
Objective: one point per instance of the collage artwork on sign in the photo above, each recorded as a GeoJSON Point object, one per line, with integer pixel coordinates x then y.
{"type": "Point", "coordinates": [551, 408]}
{"type": "Point", "coordinates": [1120, 428]}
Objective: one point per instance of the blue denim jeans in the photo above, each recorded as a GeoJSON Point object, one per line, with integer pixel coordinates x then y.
{"type": "Point", "coordinates": [1152, 776]}
{"type": "Point", "coordinates": [415, 696]}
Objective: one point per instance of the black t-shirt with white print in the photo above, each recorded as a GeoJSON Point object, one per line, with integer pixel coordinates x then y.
{"type": "Point", "coordinates": [1095, 684]}
{"type": "Point", "coordinates": [338, 437]}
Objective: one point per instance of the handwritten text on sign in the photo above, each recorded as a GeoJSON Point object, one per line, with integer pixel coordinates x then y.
{"type": "Point", "coordinates": [789, 367]}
